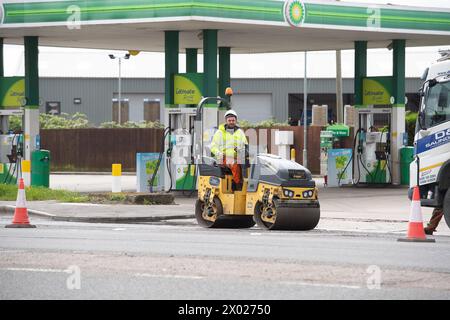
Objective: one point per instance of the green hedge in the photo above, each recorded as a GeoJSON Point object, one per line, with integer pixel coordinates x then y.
{"type": "Point", "coordinates": [77, 121]}
{"type": "Point", "coordinates": [244, 124]}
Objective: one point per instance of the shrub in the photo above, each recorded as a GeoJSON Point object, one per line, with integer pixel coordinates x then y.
{"type": "Point", "coordinates": [131, 124]}
{"type": "Point", "coordinates": [63, 121]}
{"type": "Point", "coordinates": [410, 126]}
{"type": "Point", "coordinates": [15, 123]}
{"type": "Point", "coordinates": [244, 124]}
{"type": "Point", "coordinates": [78, 121]}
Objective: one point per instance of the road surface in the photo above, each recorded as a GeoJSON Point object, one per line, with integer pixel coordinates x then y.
{"type": "Point", "coordinates": [62, 260]}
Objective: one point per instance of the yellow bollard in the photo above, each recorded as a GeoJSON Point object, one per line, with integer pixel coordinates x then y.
{"type": "Point", "coordinates": [117, 177]}
{"type": "Point", "coordinates": [293, 154]}
{"type": "Point", "coordinates": [26, 172]}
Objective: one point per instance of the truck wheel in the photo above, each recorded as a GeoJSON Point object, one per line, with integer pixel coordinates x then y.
{"type": "Point", "coordinates": [447, 207]}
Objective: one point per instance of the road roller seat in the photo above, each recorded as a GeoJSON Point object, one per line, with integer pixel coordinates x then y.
{"type": "Point", "coordinates": [209, 167]}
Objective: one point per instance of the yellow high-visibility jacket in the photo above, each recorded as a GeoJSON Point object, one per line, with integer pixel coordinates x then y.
{"type": "Point", "coordinates": [225, 143]}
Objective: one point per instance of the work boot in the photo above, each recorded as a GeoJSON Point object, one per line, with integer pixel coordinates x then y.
{"type": "Point", "coordinates": [434, 221]}
{"type": "Point", "coordinates": [239, 186]}
{"type": "Point", "coordinates": [236, 186]}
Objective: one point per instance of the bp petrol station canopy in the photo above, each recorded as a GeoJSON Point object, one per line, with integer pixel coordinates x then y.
{"type": "Point", "coordinates": [257, 26]}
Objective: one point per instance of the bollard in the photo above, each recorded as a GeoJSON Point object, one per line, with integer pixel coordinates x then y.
{"type": "Point", "coordinates": [26, 172]}
{"type": "Point", "coordinates": [116, 178]}
{"type": "Point", "coordinates": [293, 154]}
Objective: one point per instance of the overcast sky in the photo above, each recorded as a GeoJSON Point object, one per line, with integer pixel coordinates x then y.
{"type": "Point", "coordinates": [95, 63]}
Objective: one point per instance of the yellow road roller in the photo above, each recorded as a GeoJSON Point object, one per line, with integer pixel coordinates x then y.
{"type": "Point", "coordinates": [277, 194]}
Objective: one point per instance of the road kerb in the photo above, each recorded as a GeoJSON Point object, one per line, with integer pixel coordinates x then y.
{"type": "Point", "coordinates": [9, 209]}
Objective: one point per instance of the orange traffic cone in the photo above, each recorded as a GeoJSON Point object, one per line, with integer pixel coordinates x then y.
{"type": "Point", "coordinates": [415, 225]}
{"type": "Point", "coordinates": [20, 219]}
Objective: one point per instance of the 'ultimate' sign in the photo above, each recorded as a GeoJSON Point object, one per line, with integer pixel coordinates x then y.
{"type": "Point", "coordinates": [188, 88]}
{"type": "Point", "coordinates": [12, 92]}
{"type": "Point", "coordinates": [378, 91]}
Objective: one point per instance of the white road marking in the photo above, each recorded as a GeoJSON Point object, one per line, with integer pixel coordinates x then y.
{"type": "Point", "coordinates": [35, 270]}
{"type": "Point", "coordinates": [119, 229]}
{"type": "Point", "coordinates": [255, 234]}
{"type": "Point", "coordinates": [148, 275]}
{"type": "Point", "coordinates": [328, 285]}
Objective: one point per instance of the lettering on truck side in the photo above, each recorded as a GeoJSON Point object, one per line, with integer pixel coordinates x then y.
{"type": "Point", "coordinates": [433, 141]}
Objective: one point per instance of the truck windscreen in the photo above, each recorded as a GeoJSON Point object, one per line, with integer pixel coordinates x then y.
{"type": "Point", "coordinates": [437, 106]}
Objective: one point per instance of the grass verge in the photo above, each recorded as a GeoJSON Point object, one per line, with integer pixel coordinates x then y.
{"type": "Point", "coordinates": [9, 193]}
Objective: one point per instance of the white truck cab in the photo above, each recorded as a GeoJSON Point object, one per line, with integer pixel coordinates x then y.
{"type": "Point", "coordinates": [431, 167]}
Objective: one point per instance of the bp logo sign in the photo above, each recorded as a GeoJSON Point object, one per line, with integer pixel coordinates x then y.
{"type": "Point", "coordinates": [294, 12]}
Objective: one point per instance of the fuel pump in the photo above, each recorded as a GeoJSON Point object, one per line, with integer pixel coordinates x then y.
{"type": "Point", "coordinates": [372, 146]}
{"type": "Point", "coordinates": [185, 140]}
{"type": "Point", "coordinates": [179, 149]}
{"type": "Point", "coordinates": [11, 148]}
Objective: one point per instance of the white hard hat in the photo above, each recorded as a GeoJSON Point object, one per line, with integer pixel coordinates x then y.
{"type": "Point", "coordinates": [230, 113]}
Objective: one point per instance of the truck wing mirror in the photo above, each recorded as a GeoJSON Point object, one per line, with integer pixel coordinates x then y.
{"type": "Point", "coordinates": [421, 120]}
{"type": "Point", "coordinates": [421, 92]}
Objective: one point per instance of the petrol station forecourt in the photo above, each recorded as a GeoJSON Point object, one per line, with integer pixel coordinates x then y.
{"type": "Point", "coordinates": [218, 29]}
